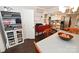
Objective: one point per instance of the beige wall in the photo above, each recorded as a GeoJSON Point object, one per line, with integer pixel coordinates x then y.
{"type": "Point", "coordinates": [2, 47]}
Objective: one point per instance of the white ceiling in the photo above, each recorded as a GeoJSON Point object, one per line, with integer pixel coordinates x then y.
{"type": "Point", "coordinates": [47, 7]}
{"type": "Point", "coordinates": [39, 7]}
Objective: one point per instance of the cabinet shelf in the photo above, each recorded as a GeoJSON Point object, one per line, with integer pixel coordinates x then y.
{"type": "Point", "coordinates": [11, 23]}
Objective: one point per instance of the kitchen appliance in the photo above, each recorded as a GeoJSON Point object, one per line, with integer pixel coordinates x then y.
{"type": "Point", "coordinates": [67, 22]}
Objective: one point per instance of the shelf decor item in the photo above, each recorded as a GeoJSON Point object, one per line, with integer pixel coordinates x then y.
{"type": "Point", "coordinates": [65, 36]}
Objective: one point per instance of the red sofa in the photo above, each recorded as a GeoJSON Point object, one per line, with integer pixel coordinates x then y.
{"type": "Point", "coordinates": [41, 28]}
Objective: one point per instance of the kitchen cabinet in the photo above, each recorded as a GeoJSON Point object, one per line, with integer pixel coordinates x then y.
{"type": "Point", "coordinates": [11, 28]}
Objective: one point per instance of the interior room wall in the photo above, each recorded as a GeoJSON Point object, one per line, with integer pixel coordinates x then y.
{"type": "Point", "coordinates": [2, 46]}
{"type": "Point", "coordinates": [27, 16]}
{"type": "Point", "coordinates": [38, 16]}
{"type": "Point", "coordinates": [41, 11]}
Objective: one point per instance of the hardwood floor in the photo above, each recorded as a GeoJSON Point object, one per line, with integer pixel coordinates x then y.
{"type": "Point", "coordinates": [27, 47]}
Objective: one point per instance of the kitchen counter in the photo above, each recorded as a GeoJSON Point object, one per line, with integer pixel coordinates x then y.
{"type": "Point", "coordinates": [53, 44]}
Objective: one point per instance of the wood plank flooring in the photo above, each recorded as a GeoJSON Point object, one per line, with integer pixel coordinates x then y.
{"type": "Point", "coordinates": [27, 47]}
